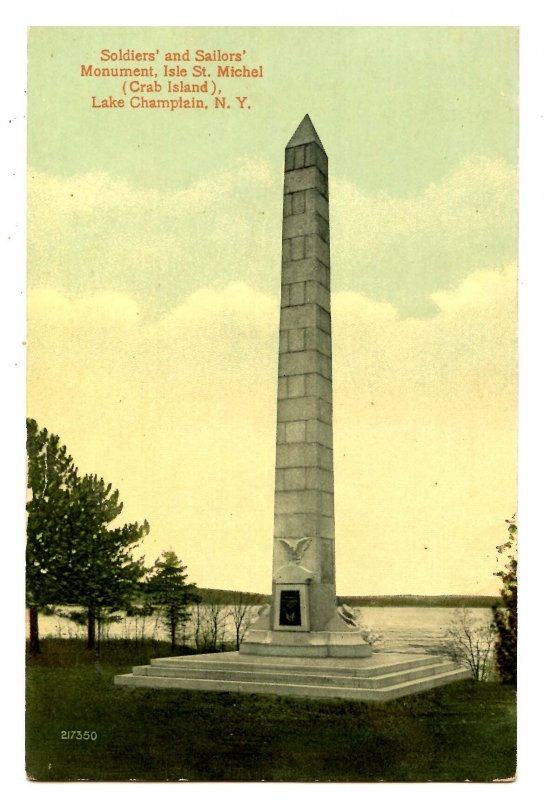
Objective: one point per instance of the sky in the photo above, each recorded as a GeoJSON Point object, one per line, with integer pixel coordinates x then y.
{"type": "Point", "coordinates": [154, 251]}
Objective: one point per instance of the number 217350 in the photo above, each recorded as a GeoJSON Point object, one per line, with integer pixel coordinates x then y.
{"type": "Point", "coordinates": [91, 736]}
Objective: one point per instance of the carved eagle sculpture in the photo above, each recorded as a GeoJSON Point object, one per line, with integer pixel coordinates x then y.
{"type": "Point", "coordinates": [296, 551]}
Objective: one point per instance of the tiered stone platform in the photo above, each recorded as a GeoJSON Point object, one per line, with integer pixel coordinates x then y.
{"type": "Point", "coordinates": [385, 676]}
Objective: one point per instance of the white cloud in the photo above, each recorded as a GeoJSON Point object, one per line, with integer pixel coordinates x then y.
{"type": "Point", "coordinates": [402, 249]}
{"type": "Point", "coordinates": [482, 290]}
{"type": "Point", "coordinates": [93, 232]}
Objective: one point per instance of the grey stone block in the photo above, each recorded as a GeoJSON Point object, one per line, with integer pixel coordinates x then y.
{"type": "Point", "coordinates": [289, 158]}
{"type": "Point", "coordinates": [304, 454]}
{"type": "Point", "coordinates": [297, 246]}
{"type": "Point", "coordinates": [299, 202]}
{"type": "Point", "coordinates": [296, 432]}
{"type": "Point", "coordinates": [295, 408]}
{"type": "Point", "coordinates": [293, 526]}
{"type": "Point", "coordinates": [323, 364]}
{"type": "Point", "coordinates": [315, 247]}
{"type": "Point", "coordinates": [297, 294]}
{"type": "Point", "coordinates": [318, 479]}
{"type": "Point", "coordinates": [324, 458]}
{"type": "Point", "coordinates": [323, 319]}
{"type": "Point", "coordinates": [323, 229]}
{"type": "Point", "coordinates": [287, 205]}
{"type": "Point", "coordinates": [304, 270]}
{"type": "Point", "coordinates": [326, 559]}
{"type": "Point", "coordinates": [299, 455]}
{"type": "Point", "coordinates": [285, 251]}
{"type": "Point", "coordinates": [285, 295]}
{"type": "Point", "coordinates": [299, 156]}
{"type": "Point", "coordinates": [315, 203]}
{"type": "Point", "coordinates": [299, 408]}
{"type": "Point", "coordinates": [318, 386]}
{"type": "Point", "coordinates": [296, 337]}
{"type": "Point", "coordinates": [317, 431]}
{"type": "Point", "coordinates": [304, 316]}
{"type": "Point", "coordinates": [280, 433]}
{"type": "Point", "coordinates": [292, 479]}
{"type": "Point", "coordinates": [297, 363]}
{"type": "Point", "coordinates": [296, 385]}
{"type": "Point", "coordinates": [304, 362]}
{"type": "Point", "coordinates": [306, 178]}
{"type": "Point", "coordinates": [322, 602]}
{"type": "Point", "coordinates": [315, 292]}
{"type": "Point", "coordinates": [305, 501]}
{"type": "Point", "coordinates": [327, 504]}
{"type": "Point", "coordinates": [315, 155]}
{"type": "Point", "coordinates": [317, 339]}
{"type": "Point", "coordinates": [302, 224]}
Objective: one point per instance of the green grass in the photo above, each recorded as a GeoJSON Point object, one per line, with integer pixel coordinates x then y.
{"type": "Point", "coordinates": [464, 731]}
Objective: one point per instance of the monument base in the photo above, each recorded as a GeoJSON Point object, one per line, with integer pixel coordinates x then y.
{"type": "Point", "coordinates": [308, 644]}
{"type": "Point", "coordinates": [342, 638]}
{"type": "Point", "coordinates": [386, 676]}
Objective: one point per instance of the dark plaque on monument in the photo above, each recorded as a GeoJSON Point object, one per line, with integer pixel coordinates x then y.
{"type": "Point", "coordinates": [290, 607]}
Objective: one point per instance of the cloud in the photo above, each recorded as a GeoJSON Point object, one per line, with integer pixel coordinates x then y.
{"type": "Point", "coordinates": [402, 249]}
{"type": "Point", "coordinates": [178, 412]}
{"type": "Point", "coordinates": [94, 232]}
{"type": "Point", "coordinates": [483, 290]}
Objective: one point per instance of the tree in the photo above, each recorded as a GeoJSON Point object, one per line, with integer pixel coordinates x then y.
{"type": "Point", "coordinates": [242, 614]}
{"type": "Point", "coordinates": [168, 591]}
{"type": "Point", "coordinates": [51, 477]}
{"type": "Point", "coordinates": [469, 642]}
{"type": "Point", "coordinates": [213, 616]}
{"type": "Point", "coordinates": [102, 573]}
{"type": "Point", "coordinates": [72, 555]}
{"type": "Point", "coordinates": [506, 616]}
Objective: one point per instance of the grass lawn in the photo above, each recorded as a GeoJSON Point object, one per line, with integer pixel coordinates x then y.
{"type": "Point", "coordinates": [464, 731]}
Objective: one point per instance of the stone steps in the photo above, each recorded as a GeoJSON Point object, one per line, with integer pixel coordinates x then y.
{"type": "Point", "coordinates": [267, 676]}
{"type": "Point", "coordinates": [388, 678]}
{"type": "Point", "coordinates": [338, 666]}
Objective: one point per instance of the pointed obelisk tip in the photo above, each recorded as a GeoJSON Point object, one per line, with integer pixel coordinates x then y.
{"type": "Point", "coordinates": [304, 134]}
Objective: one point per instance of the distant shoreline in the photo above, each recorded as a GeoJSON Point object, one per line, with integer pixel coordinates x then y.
{"type": "Point", "coordinates": [229, 597]}
{"type": "Point", "coordinates": [430, 601]}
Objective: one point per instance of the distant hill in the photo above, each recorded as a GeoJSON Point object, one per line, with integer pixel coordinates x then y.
{"type": "Point", "coordinates": [440, 600]}
{"type": "Point", "coordinates": [228, 597]}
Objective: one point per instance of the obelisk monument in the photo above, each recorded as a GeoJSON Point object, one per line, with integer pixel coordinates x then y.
{"type": "Point", "coordinates": [300, 644]}
{"type": "Point", "coordinates": [303, 618]}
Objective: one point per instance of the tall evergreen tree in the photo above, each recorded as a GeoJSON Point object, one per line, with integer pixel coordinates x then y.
{"type": "Point", "coordinates": [101, 572]}
{"type": "Point", "coordinates": [51, 478]}
{"type": "Point", "coordinates": [169, 592]}
{"type": "Point", "coordinates": [73, 556]}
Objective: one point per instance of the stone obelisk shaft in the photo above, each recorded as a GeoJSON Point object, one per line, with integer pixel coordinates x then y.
{"type": "Point", "coordinates": [304, 489]}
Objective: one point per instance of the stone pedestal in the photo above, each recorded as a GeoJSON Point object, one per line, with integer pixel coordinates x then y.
{"type": "Point", "coordinates": [386, 676]}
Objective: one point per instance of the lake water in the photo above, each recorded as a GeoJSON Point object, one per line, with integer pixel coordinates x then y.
{"type": "Point", "coordinates": [403, 629]}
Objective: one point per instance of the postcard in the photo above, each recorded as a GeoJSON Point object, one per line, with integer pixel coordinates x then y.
{"type": "Point", "coordinates": [272, 404]}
